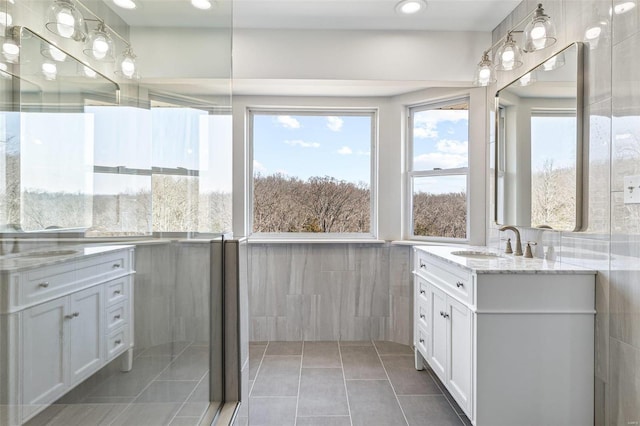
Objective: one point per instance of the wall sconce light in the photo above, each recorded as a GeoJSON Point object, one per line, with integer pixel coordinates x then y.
{"type": "Point", "coordinates": [485, 75]}
{"type": "Point", "coordinates": [64, 19]}
{"type": "Point", "coordinates": [553, 63]}
{"type": "Point", "coordinates": [539, 33]}
{"type": "Point", "coordinates": [126, 64]}
{"type": "Point", "coordinates": [99, 44]}
{"type": "Point", "coordinates": [49, 70]}
{"type": "Point", "coordinates": [10, 48]}
{"type": "Point", "coordinates": [509, 56]}
{"type": "Point", "coordinates": [527, 79]}
{"type": "Point", "coordinates": [50, 51]}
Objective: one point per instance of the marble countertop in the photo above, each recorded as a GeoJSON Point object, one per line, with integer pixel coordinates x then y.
{"type": "Point", "coordinates": [25, 260]}
{"type": "Point", "coordinates": [502, 264]}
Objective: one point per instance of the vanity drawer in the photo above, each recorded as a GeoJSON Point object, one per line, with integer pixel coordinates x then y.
{"type": "Point", "coordinates": [422, 290]}
{"type": "Point", "coordinates": [455, 281]}
{"type": "Point", "coordinates": [48, 282]}
{"type": "Point", "coordinates": [422, 313]}
{"type": "Point", "coordinates": [117, 342]}
{"type": "Point", "coordinates": [117, 316]}
{"type": "Point", "coordinates": [117, 290]}
{"type": "Point", "coordinates": [105, 266]}
{"type": "Point", "coordinates": [422, 341]}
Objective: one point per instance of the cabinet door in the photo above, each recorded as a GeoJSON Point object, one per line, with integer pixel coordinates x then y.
{"type": "Point", "coordinates": [459, 366]}
{"type": "Point", "coordinates": [86, 333]}
{"type": "Point", "coordinates": [44, 354]}
{"type": "Point", "coordinates": [438, 350]}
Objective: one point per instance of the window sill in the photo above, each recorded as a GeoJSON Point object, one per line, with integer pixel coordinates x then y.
{"type": "Point", "coordinates": [314, 241]}
{"type": "Point", "coordinates": [428, 243]}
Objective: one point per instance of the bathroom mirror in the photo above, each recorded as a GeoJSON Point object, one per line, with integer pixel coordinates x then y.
{"type": "Point", "coordinates": [538, 151]}
{"type": "Point", "coordinates": [48, 136]}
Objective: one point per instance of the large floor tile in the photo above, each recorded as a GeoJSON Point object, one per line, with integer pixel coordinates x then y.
{"type": "Point", "coordinates": [256, 352]}
{"type": "Point", "coordinates": [81, 415]}
{"type": "Point", "coordinates": [355, 343]}
{"type": "Point", "coordinates": [147, 415]}
{"type": "Point", "coordinates": [271, 411]}
{"type": "Point", "coordinates": [167, 349]}
{"type": "Point", "coordinates": [321, 354]}
{"type": "Point", "coordinates": [324, 421]}
{"type": "Point", "coordinates": [322, 392]}
{"type": "Point", "coordinates": [406, 380]}
{"type": "Point", "coordinates": [130, 384]}
{"type": "Point", "coordinates": [166, 391]}
{"type": "Point", "coordinates": [433, 410]}
{"type": "Point", "coordinates": [192, 364]}
{"type": "Point", "coordinates": [278, 376]}
{"type": "Point", "coordinates": [185, 421]}
{"type": "Point", "coordinates": [362, 362]}
{"type": "Point", "coordinates": [284, 348]}
{"type": "Point", "coordinates": [373, 403]}
{"type": "Point", "coordinates": [392, 348]}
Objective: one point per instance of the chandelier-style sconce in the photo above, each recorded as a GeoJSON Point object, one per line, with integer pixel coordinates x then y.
{"type": "Point", "coordinates": [539, 34]}
{"type": "Point", "coordinates": [65, 20]}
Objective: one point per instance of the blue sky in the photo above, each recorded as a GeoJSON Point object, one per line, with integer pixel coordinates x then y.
{"type": "Point", "coordinates": [440, 140]}
{"type": "Point", "coordinates": [304, 146]}
{"type": "Point", "coordinates": [553, 138]}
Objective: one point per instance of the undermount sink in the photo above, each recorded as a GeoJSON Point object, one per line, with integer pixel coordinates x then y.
{"type": "Point", "coordinates": [476, 254]}
{"type": "Point", "coordinates": [49, 253]}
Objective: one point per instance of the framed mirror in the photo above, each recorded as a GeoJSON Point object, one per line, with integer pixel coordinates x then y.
{"type": "Point", "coordinates": [538, 151]}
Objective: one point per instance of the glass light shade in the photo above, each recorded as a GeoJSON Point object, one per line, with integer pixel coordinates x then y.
{"type": "Point", "coordinates": [88, 72]}
{"type": "Point", "coordinates": [540, 32]}
{"type": "Point", "coordinates": [527, 79]}
{"type": "Point", "coordinates": [596, 32]}
{"type": "Point", "coordinates": [485, 74]}
{"type": "Point", "coordinates": [508, 57]}
{"type": "Point", "coordinates": [99, 45]}
{"type": "Point", "coordinates": [622, 7]}
{"type": "Point", "coordinates": [10, 50]}
{"type": "Point", "coordinates": [404, 7]}
{"type": "Point", "coordinates": [126, 65]}
{"type": "Point", "coordinates": [64, 19]}
{"type": "Point", "coordinates": [6, 20]}
{"type": "Point", "coordinates": [50, 51]}
{"type": "Point", "coordinates": [553, 63]}
{"type": "Point", "coordinates": [49, 70]}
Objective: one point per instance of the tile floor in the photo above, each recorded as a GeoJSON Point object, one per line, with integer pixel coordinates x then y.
{"type": "Point", "coordinates": [168, 386]}
{"type": "Point", "coordinates": [346, 383]}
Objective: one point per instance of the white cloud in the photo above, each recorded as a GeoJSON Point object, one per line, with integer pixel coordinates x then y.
{"type": "Point", "coordinates": [302, 144]}
{"type": "Point", "coordinates": [258, 167]}
{"type": "Point", "coordinates": [452, 146]}
{"type": "Point", "coordinates": [335, 123]}
{"type": "Point", "coordinates": [425, 123]}
{"type": "Point", "coordinates": [440, 160]}
{"type": "Point", "coordinates": [345, 150]}
{"type": "Point", "coordinates": [288, 122]}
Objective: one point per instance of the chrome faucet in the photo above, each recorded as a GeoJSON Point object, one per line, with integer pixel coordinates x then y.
{"type": "Point", "coordinates": [518, 251]}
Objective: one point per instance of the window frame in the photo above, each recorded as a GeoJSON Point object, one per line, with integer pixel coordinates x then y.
{"type": "Point", "coordinates": [412, 174]}
{"type": "Point", "coordinates": [371, 112]}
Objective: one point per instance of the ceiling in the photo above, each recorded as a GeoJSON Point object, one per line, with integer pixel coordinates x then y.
{"type": "Point", "coordinates": [440, 15]}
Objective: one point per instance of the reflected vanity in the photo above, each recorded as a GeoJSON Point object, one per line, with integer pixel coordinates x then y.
{"type": "Point", "coordinates": [538, 155]}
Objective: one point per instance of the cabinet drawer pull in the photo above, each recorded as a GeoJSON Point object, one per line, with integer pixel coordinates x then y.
{"type": "Point", "coordinates": [117, 342]}
{"type": "Point", "coordinates": [423, 265]}
{"type": "Point", "coordinates": [445, 315]}
{"type": "Point", "coordinates": [115, 266]}
{"type": "Point", "coordinates": [73, 315]}
{"type": "Point", "coordinates": [423, 292]}
{"type": "Point", "coordinates": [422, 316]}
{"type": "Point", "coordinates": [116, 317]}
{"type": "Point", "coordinates": [459, 284]}
{"type": "Point", "coordinates": [421, 340]}
{"type": "Point", "coordinates": [117, 292]}
{"type": "Point", "coordinates": [44, 284]}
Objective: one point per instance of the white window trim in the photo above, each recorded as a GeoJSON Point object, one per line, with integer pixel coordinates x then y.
{"type": "Point", "coordinates": [411, 174]}
{"type": "Point", "coordinates": [372, 235]}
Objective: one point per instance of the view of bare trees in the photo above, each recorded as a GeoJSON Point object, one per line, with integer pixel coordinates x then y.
{"type": "Point", "coordinates": [440, 215]}
{"type": "Point", "coordinates": [553, 197]}
{"type": "Point", "coordinates": [319, 204]}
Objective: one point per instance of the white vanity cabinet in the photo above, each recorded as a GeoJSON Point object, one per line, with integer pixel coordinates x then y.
{"type": "Point", "coordinates": [510, 338]}
{"type": "Point", "coordinates": [60, 323]}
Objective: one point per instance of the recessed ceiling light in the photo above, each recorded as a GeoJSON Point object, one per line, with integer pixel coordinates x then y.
{"type": "Point", "coordinates": [624, 7]}
{"type": "Point", "coordinates": [201, 4]}
{"type": "Point", "coordinates": [410, 7]}
{"type": "Point", "coordinates": [125, 4]}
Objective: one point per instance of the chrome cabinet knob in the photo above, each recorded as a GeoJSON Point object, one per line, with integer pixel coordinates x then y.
{"type": "Point", "coordinates": [423, 265]}
{"type": "Point", "coordinates": [117, 292]}
{"type": "Point", "coordinates": [459, 284]}
{"type": "Point", "coordinates": [73, 315]}
{"type": "Point", "coordinates": [44, 284]}
{"type": "Point", "coordinates": [421, 340]}
{"type": "Point", "coordinates": [422, 316]}
{"type": "Point", "coordinates": [117, 342]}
{"type": "Point", "coordinates": [115, 266]}
{"type": "Point", "coordinates": [116, 317]}
{"type": "Point", "coordinates": [423, 292]}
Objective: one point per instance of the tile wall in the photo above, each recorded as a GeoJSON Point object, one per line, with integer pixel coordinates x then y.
{"type": "Point", "coordinates": [611, 241]}
{"type": "Point", "coordinates": [329, 292]}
